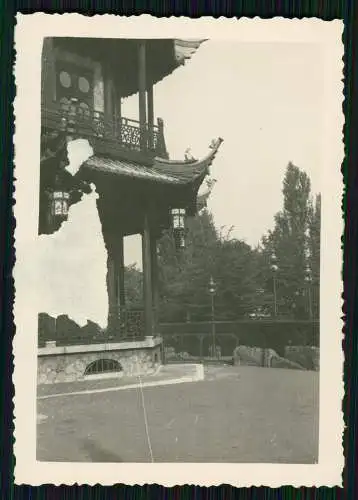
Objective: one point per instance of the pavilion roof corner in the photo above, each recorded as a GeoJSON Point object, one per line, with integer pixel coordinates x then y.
{"type": "Point", "coordinates": [185, 49]}
{"type": "Point", "coordinates": [162, 170]}
{"type": "Point", "coordinates": [189, 170]}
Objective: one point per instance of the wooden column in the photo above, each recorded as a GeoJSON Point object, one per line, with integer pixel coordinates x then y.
{"type": "Point", "coordinates": [112, 301]}
{"type": "Point", "coordinates": [117, 114]}
{"type": "Point", "coordinates": [108, 102]}
{"type": "Point", "coordinates": [150, 115]}
{"type": "Point", "coordinates": [142, 84]}
{"type": "Point", "coordinates": [119, 106]}
{"type": "Point", "coordinates": [48, 73]}
{"type": "Point", "coordinates": [107, 83]}
{"type": "Point", "coordinates": [120, 273]}
{"type": "Point", "coordinates": [147, 277]}
{"type": "Point", "coordinates": [155, 289]}
{"type": "Point", "coordinates": [115, 285]}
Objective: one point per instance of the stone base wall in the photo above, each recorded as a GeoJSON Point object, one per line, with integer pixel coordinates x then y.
{"type": "Point", "coordinates": [71, 366]}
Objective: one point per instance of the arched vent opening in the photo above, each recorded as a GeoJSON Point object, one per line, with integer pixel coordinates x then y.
{"type": "Point", "coordinates": [101, 366]}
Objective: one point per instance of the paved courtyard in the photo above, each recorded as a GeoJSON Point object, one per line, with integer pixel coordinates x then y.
{"type": "Point", "coordinates": [236, 414]}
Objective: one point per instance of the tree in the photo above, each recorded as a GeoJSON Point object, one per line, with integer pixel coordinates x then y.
{"type": "Point", "coordinates": [133, 284]}
{"type": "Point", "coordinates": [290, 243]}
{"type": "Point", "coordinates": [185, 274]}
{"type": "Point", "coordinates": [314, 244]}
{"type": "Point", "coordinates": [244, 277]}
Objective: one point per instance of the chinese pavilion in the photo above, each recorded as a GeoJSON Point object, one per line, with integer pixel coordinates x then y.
{"type": "Point", "coordinates": [141, 190]}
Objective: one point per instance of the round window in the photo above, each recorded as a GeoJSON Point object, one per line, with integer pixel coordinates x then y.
{"type": "Point", "coordinates": [83, 84]}
{"type": "Point", "coordinates": [65, 79]}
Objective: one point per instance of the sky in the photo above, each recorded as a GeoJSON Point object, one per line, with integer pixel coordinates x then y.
{"type": "Point", "coordinates": [265, 101]}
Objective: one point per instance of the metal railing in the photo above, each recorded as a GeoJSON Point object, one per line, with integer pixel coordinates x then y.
{"type": "Point", "coordinates": [87, 122]}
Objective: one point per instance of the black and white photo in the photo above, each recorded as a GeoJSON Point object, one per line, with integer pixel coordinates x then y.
{"type": "Point", "coordinates": [178, 249]}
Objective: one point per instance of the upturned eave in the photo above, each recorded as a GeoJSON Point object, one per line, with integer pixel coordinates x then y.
{"type": "Point", "coordinates": [162, 171]}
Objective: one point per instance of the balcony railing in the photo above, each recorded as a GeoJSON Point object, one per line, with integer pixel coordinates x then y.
{"type": "Point", "coordinates": [85, 122]}
{"type": "Point", "coordinates": [130, 324]}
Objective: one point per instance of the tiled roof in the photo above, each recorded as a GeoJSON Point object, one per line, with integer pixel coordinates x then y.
{"type": "Point", "coordinates": [162, 170]}
{"type": "Point", "coordinates": [128, 169]}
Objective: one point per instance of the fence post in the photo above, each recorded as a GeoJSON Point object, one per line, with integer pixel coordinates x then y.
{"type": "Point", "coordinates": [163, 351]}
{"type": "Point", "coordinates": [201, 340]}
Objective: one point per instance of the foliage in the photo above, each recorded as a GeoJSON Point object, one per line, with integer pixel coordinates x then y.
{"type": "Point", "coordinates": [314, 242]}
{"type": "Point", "coordinates": [133, 280]}
{"type": "Point", "coordinates": [295, 241]}
{"type": "Point", "coordinates": [245, 279]}
{"type": "Point", "coordinates": [184, 276]}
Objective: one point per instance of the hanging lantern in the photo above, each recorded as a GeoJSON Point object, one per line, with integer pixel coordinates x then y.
{"type": "Point", "coordinates": [59, 201]}
{"type": "Point", "coordinates": [212, 286]}
{"type": "Point", "coordinates": [274, 266]}
{"type": "Point", "coordinates": [178, 223]}
{"type": "Point", "coordinates": [308, 274]}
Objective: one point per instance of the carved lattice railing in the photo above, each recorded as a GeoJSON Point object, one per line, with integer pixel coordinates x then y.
{"type": "Point", "coordinates": [86, 122]}
{"type": "Point", "coordinates": [131, 324]}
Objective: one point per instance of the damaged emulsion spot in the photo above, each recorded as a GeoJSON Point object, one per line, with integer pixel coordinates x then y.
{"type": "Point", "coordinates": [73, 259]}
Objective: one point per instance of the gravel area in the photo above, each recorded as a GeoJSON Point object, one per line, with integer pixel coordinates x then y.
{"type": "Point", "coordinates": [237, 414]}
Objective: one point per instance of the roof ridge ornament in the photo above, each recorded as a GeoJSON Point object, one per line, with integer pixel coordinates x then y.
{"type": "Point", "coordinates": [215, 143]}
{"type": "Point", "coordinates": [213, 148]}
{"type": "Point", "coordinates": [188, 155]}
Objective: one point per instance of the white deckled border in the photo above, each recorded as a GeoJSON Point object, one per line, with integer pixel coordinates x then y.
{"type": "Point", "coordinates": [29, 32]}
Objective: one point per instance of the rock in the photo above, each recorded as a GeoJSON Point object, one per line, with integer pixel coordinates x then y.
{"type": "Point", "coordinates": [244, 355]}
{"type": "Point", "coordinates": [256, 356]}
{"type": "Point", "coordinates": [278, 362]}
{"type": "Point", "coordinates": [307, 356]}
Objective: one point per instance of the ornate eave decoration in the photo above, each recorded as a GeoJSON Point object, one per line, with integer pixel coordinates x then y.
{"type": "Point", "coordinates": [161, 171]}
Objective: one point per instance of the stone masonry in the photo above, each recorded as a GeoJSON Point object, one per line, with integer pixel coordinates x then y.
{"type": "Point", "coordinates": [68, 364]}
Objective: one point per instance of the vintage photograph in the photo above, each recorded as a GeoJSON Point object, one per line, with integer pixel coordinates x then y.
{"type": "Point", "coordinates": [179, 298]}
{"type": "Point", "coordinates": [177, 286]}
